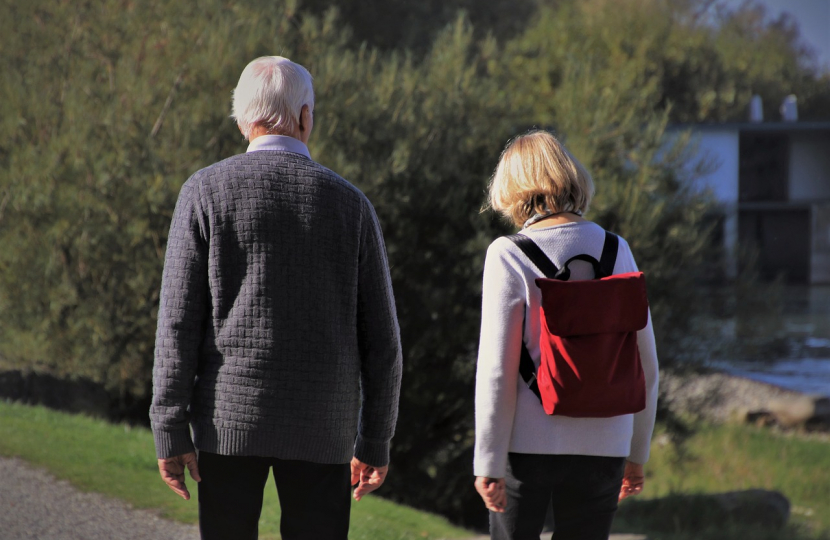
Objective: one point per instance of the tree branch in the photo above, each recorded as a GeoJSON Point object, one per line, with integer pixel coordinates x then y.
{"type": "Point", "coordinates": [167, 103]}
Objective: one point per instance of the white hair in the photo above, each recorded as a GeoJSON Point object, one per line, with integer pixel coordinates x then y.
{"type": "Point", "coordinates": [271, 92]}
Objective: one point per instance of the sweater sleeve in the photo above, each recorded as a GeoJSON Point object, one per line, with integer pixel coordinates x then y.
{"type": "Point", "coordinates": [182, 311]}
{"type": "Point", "coordinates": [502, 317]}
{"type": "Point", "coordinates": [380, 346]}
{"type": "Point", "coordinates": [643, 420]}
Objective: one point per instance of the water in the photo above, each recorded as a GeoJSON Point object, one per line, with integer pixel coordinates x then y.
{"type": "Point", "coordinates": [808, 375]}
{"type": "Point", "coordinates": [807, 324]}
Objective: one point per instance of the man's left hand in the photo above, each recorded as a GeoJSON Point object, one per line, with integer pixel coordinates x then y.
{"type": "Point", "coordinates": [172, 472]}
{"type": "Point", "coordinates": [367, 477]}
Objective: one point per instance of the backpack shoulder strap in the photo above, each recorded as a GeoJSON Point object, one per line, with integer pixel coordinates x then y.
{"type": "Point", "coordinates": [527, 369]}
{"type": "Point", "coordinates": [535, 254]}
{"type": "Point", "coordinates": [609, 254]}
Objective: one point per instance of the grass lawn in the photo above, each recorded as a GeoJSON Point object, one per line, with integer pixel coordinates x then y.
{"type": "Point", "coordinates": [119, 461]}
{"type": "Point", "coordinates": [731, 457]}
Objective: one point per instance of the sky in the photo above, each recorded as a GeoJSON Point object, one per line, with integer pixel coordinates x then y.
{"type": "Point", "coordinates": [813, 18]}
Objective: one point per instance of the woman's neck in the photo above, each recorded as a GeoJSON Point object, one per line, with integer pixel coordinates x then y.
{"type": "Point", "coordinates": [556, 219]}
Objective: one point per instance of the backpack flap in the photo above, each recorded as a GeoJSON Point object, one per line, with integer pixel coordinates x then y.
{"type": "Point", "coordinates": [609, 305]}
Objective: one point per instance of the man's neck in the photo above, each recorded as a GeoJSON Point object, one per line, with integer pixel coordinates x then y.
{"type": "Point", "coordinates": [259, 131]}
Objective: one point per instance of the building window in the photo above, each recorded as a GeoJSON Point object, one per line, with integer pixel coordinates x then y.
{"type": "Point", "coordinates": [764, 167]}
{"type": "Point", "coordinates": [780, 239]}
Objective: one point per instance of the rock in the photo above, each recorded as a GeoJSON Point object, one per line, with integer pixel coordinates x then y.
{"type": "Point", "coordinates": [759, 418]}
{"type": "Point", "coordinates": [697, 514]}
{"type": "Point", "coordinates": [719, 397]}
{"type": "Point", "coordinates": [769, 509]}
{"type": "Point", "coordinates": [800, 411]}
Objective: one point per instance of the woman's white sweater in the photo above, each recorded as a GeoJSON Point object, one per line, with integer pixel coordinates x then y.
{"type": "Point", "coordinates": [509, 417]}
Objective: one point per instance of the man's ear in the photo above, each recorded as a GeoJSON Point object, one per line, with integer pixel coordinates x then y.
{"type": "Point", "coordinates": [304, 112]}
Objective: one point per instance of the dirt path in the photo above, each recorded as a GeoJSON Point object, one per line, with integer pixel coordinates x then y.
{"type": "Point", "coordinates": [36, 506]}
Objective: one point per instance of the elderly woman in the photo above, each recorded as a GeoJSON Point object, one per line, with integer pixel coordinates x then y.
{"type": "Point", "coordinates": [525, 459]}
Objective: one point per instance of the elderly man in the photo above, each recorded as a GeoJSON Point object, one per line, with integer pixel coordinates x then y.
{"type": "Point", "coordinates": [277, 339]}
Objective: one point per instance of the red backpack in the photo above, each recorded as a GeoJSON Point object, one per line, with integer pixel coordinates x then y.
{"type": "Point", "coordinates": [590, 366]}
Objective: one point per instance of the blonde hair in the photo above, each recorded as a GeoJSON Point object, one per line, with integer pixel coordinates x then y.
{"type": "Point", "coordinates": [536, 174]}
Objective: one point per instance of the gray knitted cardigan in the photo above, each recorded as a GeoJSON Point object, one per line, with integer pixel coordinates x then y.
{"type": "Point", "coordinates": [277, 334]}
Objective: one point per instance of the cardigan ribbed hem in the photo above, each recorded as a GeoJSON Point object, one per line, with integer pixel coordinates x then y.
{"type": "Point", "coordinates": [372, 451]}
{"type": "Point", "coordinates": [172, 443]}
{"type": "Point", "coordinates": [278, 444]}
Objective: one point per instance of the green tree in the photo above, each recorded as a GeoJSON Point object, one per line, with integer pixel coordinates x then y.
{"type": "Point", "coordinates": [100, 128]}
{"type": "Point", "coordinates": [699, 61]}
{"type": "Point", "coordinates": [403, 24]}
{"type": "Point", "coordinates": [421, 139]}
{"type": "Point", "coordinates": [754, 55]}
{"type": "Point", "coordinates": [609, 77]}
{"type": "Point", "coordinates": [588, 72]}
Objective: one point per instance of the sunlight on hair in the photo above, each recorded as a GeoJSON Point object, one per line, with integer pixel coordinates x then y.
{"type": "Point", "coordinates": [536, 174]}
{"type": "Point", "coordinates": [271, 92]}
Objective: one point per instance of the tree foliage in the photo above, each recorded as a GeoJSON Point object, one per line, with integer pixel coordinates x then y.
{"type": "Point", "coordinates": [701, 62]}
{"type": "Point", "coordinates": [421, 139]}
{"type": "Point", "coordinates": [404, 24]}
{"type": "Point", "coordinates": [610, 76]}
{"type": "Point", "coordinates": [100, 129]}
{"type": "Point", "coordinates": [603, 97]}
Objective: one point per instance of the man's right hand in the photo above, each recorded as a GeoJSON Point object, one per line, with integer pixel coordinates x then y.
{"type": "Point", "coordinates": [369, 478]}
{"type": "Point", "coordinates": [172, 472]}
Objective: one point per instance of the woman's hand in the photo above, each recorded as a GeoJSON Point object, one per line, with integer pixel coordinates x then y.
{"type": "Point", "coordinates": [633, 480]}
{"type": "Point", "coordinates": [493, 492]}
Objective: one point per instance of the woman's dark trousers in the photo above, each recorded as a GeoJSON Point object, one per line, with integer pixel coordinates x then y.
{"type": "Point", "coordinates": [315, 498]}
{"type": "Point", "coordinates": [582, 489]}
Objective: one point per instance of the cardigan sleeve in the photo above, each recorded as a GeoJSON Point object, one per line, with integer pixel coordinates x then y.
{"type": "Point", "coordinates": [380, 346]}
{"type": "Point", "coordinates": [502, 316]}
{"type": "Point", "coordinates": [180, 331]}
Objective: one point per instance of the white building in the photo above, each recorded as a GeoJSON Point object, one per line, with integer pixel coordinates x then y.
{"type": "Point", "coordinates": [773, 183]}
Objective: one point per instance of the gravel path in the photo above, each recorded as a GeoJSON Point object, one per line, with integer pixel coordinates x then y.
{"type": "Point", "coordinates": [36, 506]}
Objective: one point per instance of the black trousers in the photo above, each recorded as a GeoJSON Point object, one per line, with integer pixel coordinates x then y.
{"type": "Point", "coordinates": [315, 498]}
{"type": "Point", "coordinates": [582, 489]}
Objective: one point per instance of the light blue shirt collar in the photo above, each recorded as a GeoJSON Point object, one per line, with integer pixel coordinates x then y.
{"type": "Point", "coordinates": [282, 143]}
